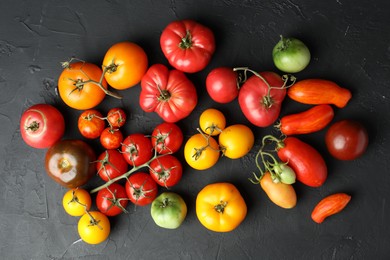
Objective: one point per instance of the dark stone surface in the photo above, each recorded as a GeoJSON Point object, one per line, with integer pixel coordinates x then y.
{"type": "Point", "coordinates": [350, 44]}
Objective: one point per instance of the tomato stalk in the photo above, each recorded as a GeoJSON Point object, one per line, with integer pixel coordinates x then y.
{"type": "Point", "coordinates": [115, 201]}
{"type": "Point", "coordinates": [186, 41]}
{"type": "Point", "coordinates": [198, 152]}
{"type": "Point", "coordinates": [221, 206]}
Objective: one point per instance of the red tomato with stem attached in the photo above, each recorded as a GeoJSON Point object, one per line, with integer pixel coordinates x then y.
{"type": "Point", "coordinates": [137, 149]}
{"type": "Point", "coordinates": [111, 164]}
{"type": "Point", "coordinates": [222, 84]}
{"type": "Point", "coordinates": [42, 125]}
{"type": "Point", "coordinates": [260, 98]}
{"type": "Point", "coordinates": [307, 163]}
{"type": "Point", "coordinates": [169, 93]}
{"type": "Point", "coordinates": [188, 45]}
{"type": "Point", "coordinates": [116, 117]}
{"type": "Point", "coordinates": [141, 189]}
{"type": "Point", "coordinates": [167, 138]}
{"type": "Point", "coordinates": [166, 170]}
{"type": "Point", "coordinates": [111, 138]}
{"type": "Point", "coordinates": [112, 201]}
{"type": "Point", "coordinates": [91, 123]}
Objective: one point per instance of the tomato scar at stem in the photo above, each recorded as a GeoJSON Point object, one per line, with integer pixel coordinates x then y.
{"type": "Point", "coordinates": [221, 206]}
{"type": "Point", "coordinates": [64, 165]}
{"type": "Point", "coordinates": [34, 126]}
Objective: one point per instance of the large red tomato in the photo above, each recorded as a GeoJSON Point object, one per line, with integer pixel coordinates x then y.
{"type": "Point", "coordinates": [261, 97]}
{"type": "Point", "coordinates": [169, 93]}
{"type": "Point", "coordinates": [42, 125]}
{"type": "Point", "coordinates": [187, 45]}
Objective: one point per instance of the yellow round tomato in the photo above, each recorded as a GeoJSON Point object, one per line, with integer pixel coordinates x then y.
{"type": "Point", "coordinates": [78, 88]}
{"type": "Point", "coordinates": [212, 121]}
{"type": "Point", "coordinates": [76, 202]}
{"type": "Point", "coordinates": [279, 193]}
{"type": "Point", "coordinates": [220, 207]}
{"type": "Point", "coordinates": [94, 227]}
{"type": "Point", "coordinates": [236, 141]}
{"type": "Point", "coordinates": [201, 152]}
{"type": "Point", "coordinates": [125, 64]}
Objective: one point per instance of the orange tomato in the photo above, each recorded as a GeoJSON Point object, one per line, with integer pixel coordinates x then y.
{"type": "Point", "coordinates": [279, 193]}
{"type": "Point", "coordinates": [220, 207]}
{"type": "Point", "coordinates": [212, 121]}
{"type": "Point", "coordinates": [236, 141]}
{"type": "Point", "coordinates": [94, 227]}
{"type": "Point", "coordinates": [329, 206]}
{"type": "Point", "coordinates": [76, 202]}
{"type": "Point", "coordinates": [125, 64]}
{"type": "Point", "coordinates": [201, 152]}
{"type": "Point", "coordinates": [77, 85]}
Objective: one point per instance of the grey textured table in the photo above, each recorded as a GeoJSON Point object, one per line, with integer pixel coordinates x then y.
{"type": "Point", "coordinates": [350, 44]}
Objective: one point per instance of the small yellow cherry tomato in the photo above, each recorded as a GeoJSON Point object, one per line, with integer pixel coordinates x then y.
{"type": "Point", "coordinates": [76, 202]}
{"type": "Point", "coordinates": [94, 227]}
{"type": "Point", "coordinates": [236, 141]}
{"type": "Point", "coordinates": [212, 121]}
{"type": "Point", "coordinates": [201, 152]}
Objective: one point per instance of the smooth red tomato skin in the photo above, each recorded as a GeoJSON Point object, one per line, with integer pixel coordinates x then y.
{"type": "Point", "coordinates": [166, 170]}
{"type": "Point", "coordinates": [111, 164]}
{"type": "Point", "coordinates": [251, 99]}
{"type": "Point", "coordinates": [346, 139]}
{"type": "Point", "coordinates": [187, 45]}
{"type": "Point", "coordinates": [111, 138]}
{"type": "Point", "coordinates": [222, 84]}
{"type": "Point", "coordinates": [42, 125]}
{"type": "Point", "coordinates": [91, 124]}
{"type": "Point", "coordinates": [308, 164]}
{"type": "Point", "coordinates": [330, 205]}
{"type": "Point", "coordinates": [108, 199]}
{"type": "Point", "coordinates": [169, 93]}
{"type": "Point", "coordinates": [167, 138]}
{"type": "Point", "coordinates": [312, 120]}
{"type": "Point", "coordinates": [141, 189]}
{"type": "Point", "coordinates": [137, 149]}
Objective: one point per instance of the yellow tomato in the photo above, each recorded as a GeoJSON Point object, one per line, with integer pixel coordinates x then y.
{"type": "Point", "coordinates": [236, 141]}
{"type": "Point", "coordinates": [94, 227]}
{"type": "Point", "coordinates": [201, 152]}
{"type": "Point", "coordinates": [126, 63]}
{"type": "Point", "coordinates": [220, 207]}
{"type": "Point", "coordinates": [76, 202]}
{"type": "Point", "coordinates": [279, 193]}
{"type": "Point", "coordinates": [212, 121]}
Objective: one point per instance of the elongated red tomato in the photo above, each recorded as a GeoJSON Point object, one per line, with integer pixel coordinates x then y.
{"type": "Point", "coordinates": [319, 91]}
{"type": "Point", "coordinates": [308, 164]}
{"type": "Point", "coordinates": [330, 205]}
{"type": "Point", "coordinates": [308, 121]}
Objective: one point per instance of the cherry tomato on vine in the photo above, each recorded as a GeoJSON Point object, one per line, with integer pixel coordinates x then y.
{"type": "Point", "coordinates": [346, 139]}
{"type": "Point", "coordinates": [222, 84]}
{"type": "Point", "coordinates": [125, 64]}
{"type": "Point", "coordinates": [166, 170]}
{"type": "Point", "coordinates": [212, 121]}
{"type": "Point", "coordinates": [111, 164]}
{"type": "Point", "coordinates": [141, 189]}
{"type": "Point", "coordinates": [167, 138]}
{"type": "Point", "coordinates": [116, 117]}
{"type": "Point", "coordinates": [112, 200]}
{"type": "Point", "coordinates": [76, 202]}
{"type": "Point", "coordinates": [201, 152]}
{"type": "Point", "coordinates": [76, 88]}
{"type": "Point", "coordinates": [42, 125]}
{"type": "Point", "coordinates": [188, 45]}
{"type": "Point", "coordinates": [111, 138]}
{"type": "Point", "coordinates": [137, 149]}
{"type": "Point", "coordinates": [91, 123]}
{"type": "Point", "coordinates": [94, 227]}
{"type": "Point", "coordinates": [236, 141]}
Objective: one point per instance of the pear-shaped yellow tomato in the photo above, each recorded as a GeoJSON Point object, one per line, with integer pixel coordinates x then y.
{"type": "Point", "coordinates": [236, 141]}
{"type": "Point", "coordinates": [201, 152]}
{"type": "Point", "coordinates": [279, 193]}
{"type": "Point", "coordinates": [220, 207]}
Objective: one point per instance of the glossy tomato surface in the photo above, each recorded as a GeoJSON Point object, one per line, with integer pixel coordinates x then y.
{"type": "Point", "coordinates": [137, 149]}
{"type": "Point", "coordinates": [111, 164]}
{"type": "Point", "coordinates": [167, 138]}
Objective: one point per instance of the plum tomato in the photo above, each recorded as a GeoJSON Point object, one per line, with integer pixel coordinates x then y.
{"type": "Point", "coordinates": [111, 164]}
{"type": "Point", "coordinates": [41, 126]}
{"type": "Point", "coordinates": [76, 202]}
{"type": "Point", "coordinates": [94, 227]}
{"type": "Point", "coordinates": [137, 149]}
{"type": "Point", "coordinates": [111, 138]}
{"type": "Point", "coordinates": [141, 189]}
{"type": "Point", "coordinates": [201, 152]}
{"type": "Point", "coordinates": [222, 84]}
{"type": "Point", "coordinates": [236, 141]}
{"type": "Point", "coordinates": [212, 121]}
{"type": "Point", "coordinates": [346, 139]}
{"type": "Point", "coordinates": [290, 55]}
{"type": "Point", "coordinates": [112, 200]}
{"type": "Point", "coordinates": [166, 170]}
{"type": "Point", "coordinates": [91, 123]}
{"type": "Point", "coordinates": [281, 194]}
{"type": "Point", "coordinates": [116, 117]}
{"type": "Point", "coordinates": [167, 138]}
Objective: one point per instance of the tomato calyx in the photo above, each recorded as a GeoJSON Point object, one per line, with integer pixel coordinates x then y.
{"type": "Point", "coordinates": [140, 193]}
{"type": "Point", "coordinates": [199, 151]}
{"type": "Point", "coordinates": [220, 208]}
{"type": "Point", "coordinates": [34, 126]}
{"type": "Point", "coordinates": [104, 162]}
{"type": "Point", "coordinates": [284, 43]}
{"type": "Point", "coordinates": [186, 41]}
{"type": "Point", "coordinates": [164, 94]}
{"type": "Point", "coordinates": [164, 173]}
{"type": "Point", "coordinates": [115, 202]}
